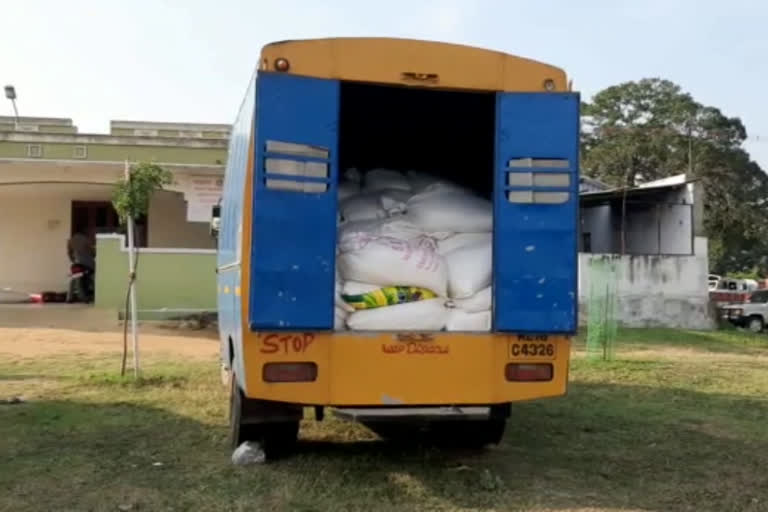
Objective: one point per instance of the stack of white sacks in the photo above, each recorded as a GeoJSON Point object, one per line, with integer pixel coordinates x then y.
{"type": "Point", "coordinates": [409, 230]}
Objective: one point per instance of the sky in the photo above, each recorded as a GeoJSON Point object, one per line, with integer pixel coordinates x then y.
{"type": "Point", "coordinates": [190, 60]}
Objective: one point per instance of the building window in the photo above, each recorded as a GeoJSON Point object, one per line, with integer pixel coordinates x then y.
{"type": "Point", "coordinates": [586, 242]}
{"type": "Point", "coordinates": [34, 150]}
{"type": "Point", "coordinates": [80, 152]}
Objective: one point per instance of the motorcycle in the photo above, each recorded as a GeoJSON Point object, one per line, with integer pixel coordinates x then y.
{"type": "Point", "coordinates": [81, 284]}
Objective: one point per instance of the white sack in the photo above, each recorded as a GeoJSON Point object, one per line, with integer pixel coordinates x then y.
{"type": "Point", "coordinates": [396, 227]}
{"type": "Point", "coordinates": [460, 320]}
{"type": "Point", "coordinates": [339, 303]}
{"type": "Point", "coordinates": [382, 179]}
{"type": "Point", "coordinates": [356, 288]}
{"type": "Point", "coordinates": [443, 207]}
{"type": "Point", "coordinates": [458, 240]}
{"type": "Point", "coordinates": [339, 320]}
{"type": "Point", "coordinates": [248, 453]}
{"type": "Point", "coordinates": [362, 207]}
{"type": "Point", "coordinates": [423, 315]}
{"type": "Point", "coordinates": [469, 269]}
{"type": "Point", "coordinates": [394, 201]}
{"type": "Point", "coordinates": [388, 261]}
{"type": "Point", "coordinates": [348, 189]}
{"type": "Point", "coordinates": [481, 301]}
{"type": "Point", "coordinates": [420, 181]}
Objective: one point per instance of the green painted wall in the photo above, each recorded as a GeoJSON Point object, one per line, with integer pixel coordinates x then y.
{"type": "Point", "coordinates": [51, 128]}
{"type": "Point", "coordinates": [109, 153]}
{"type": "Point", "coordinates": [164, 280]}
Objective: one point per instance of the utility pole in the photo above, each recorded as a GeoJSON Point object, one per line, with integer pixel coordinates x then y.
{"type": "Point", "coordinates": [690, 153]}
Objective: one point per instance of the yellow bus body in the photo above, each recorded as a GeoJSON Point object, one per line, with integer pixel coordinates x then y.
{"type": "Point", "coordinates": [358, 368]}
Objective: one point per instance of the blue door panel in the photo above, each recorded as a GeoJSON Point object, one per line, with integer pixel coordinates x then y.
{"type": "Point", "coordinates": [294, 232]}
{"type": "Point", "coordinates": [535, 245]}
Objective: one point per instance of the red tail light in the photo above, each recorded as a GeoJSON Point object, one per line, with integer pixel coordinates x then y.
{"type": "Point", "coordinates": [517, 372]}
{"type": "Point", "coordinates": [289, 372]}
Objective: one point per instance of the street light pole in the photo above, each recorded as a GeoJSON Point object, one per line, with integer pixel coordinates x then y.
{"type": "Point", "coordinates": [10, 93]}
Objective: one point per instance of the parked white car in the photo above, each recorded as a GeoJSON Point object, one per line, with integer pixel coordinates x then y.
{"type": "Point", "coordinates": [752, 315]}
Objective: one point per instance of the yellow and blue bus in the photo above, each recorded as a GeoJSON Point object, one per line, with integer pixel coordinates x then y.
{"type": "Point", "coordinates": [505, 126]}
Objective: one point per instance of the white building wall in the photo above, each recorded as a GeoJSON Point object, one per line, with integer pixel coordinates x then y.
{"type": "Point", "coordinates": [35, 224]}
{"type": "Point", "coordinates": [655, 290]}
{"type": "Point", "coordinates": [33, 243]}
{"type": "Point", "coordinates": [168, 226]}
{"type": "Point", "coordinates": [597, 222]}
{"type": "Point", "coordinates": [642, 230]}
{"type": "Point", "coordinates": [676, 229]}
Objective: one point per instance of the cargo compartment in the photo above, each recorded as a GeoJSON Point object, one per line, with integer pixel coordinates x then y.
{"type": "Point", "coordinates": [506, 163]}
{"type": "Point", "coordinates": [415, 209]}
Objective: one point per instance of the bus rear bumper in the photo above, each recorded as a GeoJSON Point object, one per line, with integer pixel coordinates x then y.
{"type": "Point", "coordinates": [392, 370]}
{"type": "Point", "coordinates": [370, 414]}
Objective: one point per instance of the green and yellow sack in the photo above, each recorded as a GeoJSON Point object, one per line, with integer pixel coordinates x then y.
{"type": "Point", "coordinates": [388, 296]}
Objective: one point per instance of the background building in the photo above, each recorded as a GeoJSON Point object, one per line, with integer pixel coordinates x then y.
{"type": "Point", "coordinates": [55, 181]}
{"type": "Point", "coordinates": [646, 248]}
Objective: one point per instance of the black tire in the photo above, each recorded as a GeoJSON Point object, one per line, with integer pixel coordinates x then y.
{"type": "Point", "coordinates": [276, 438]}
{"type": "Point", "coordinates": [239, 432]}
{"type": "Point", "coordinates": [755, 324]}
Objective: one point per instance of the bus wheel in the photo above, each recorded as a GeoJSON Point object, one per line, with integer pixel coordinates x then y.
{"type": "Point", "coordinates": [239, 431]}
{"type": "Point", "coordinates": [276, 438]}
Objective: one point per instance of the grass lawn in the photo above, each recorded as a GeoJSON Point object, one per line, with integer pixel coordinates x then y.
{"type": "Point", "coordinates": [679, 421]}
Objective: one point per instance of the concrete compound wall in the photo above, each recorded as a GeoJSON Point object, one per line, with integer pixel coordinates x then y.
{"type": "Point", "coordinates": [172, 281]}
{"type": "Point", "coordinates": [654, 290]}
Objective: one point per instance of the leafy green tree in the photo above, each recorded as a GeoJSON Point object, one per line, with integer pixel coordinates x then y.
{"type": "Point", "coordinates": [131, 197]}
{"type": "Point", "coordinates": [650, 129]}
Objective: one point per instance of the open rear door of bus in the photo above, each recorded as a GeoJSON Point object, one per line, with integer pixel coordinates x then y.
{"type": "Point", "coordinates": [536, 205]}
{"type": "Point", "coordinates": [294, 203]}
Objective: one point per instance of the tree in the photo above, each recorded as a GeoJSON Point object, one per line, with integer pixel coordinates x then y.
{"type": "Point", "coordinates": [130, 198]}
{"type": "Point", "coordinates": [650, 129]}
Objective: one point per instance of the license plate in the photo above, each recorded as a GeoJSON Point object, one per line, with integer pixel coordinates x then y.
{"type": "Point", "coordinates": [532, 350]}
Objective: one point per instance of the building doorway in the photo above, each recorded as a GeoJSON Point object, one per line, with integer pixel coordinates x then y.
{"type": "Point", "coordinates": [99, 217]}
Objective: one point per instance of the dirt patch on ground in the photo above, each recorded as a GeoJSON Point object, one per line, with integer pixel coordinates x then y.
{"type": "Point", "coordinates": [32, 342]}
